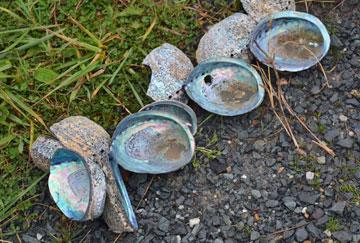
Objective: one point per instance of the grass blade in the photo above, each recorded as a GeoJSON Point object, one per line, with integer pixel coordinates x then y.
{"type": "Point", "coordinates": [12, 14]}
{"type": "Point", "coordinates": [19, 196]}
{"type": "Point", "coordinates": [76, 42]}
{"type": "Point", "coordinates": [26, 29]}
{"type": "Point", "coordinates": [74, 77]}
{"type": "Point", "coordinates": [18, 40]}
{"type": "Point", "coordinates": [30, 44]}
{"type": "Point", "coordinates": [126, 56]}
{"type": "Point", "coordinates": [91, 35]}
{"type": "Point", "coordinates": [6, 95]}
{"type": "Point", "coordinates": [137, 96]}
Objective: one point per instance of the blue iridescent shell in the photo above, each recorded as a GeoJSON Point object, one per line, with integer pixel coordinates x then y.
{"type": "Point", "coordinates": [225, 86]}
{"type": "Point", "coordinates": [69, 184]}
{"type": "Point", "coordinates": [152, 142]}
{"type": "Point", "coordinates": [182, 111]}
{"type": "Point", "coordinates": [295, 41]}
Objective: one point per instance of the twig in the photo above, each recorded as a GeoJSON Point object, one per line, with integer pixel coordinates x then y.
{"type": "Point", "coordinates": [282, 102]}
{"type": "Point", "coordinates": [147, 189]}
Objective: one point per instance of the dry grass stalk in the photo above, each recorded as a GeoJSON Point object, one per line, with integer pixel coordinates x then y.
{"type": "Point", "coordinates": [282, 103]}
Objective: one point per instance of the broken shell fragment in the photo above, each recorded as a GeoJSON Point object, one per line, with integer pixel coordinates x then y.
{"type": "Point", "coordinates": [152, 142]}
{"type": "Point", "coordinates": [225, 86]}
{"type": "Point", "coordinates": [228, 38]}
{"type": "Point", "coordinates": [42, 151]}
{"type": "Point", "coordinates": [170, 67]}
{"type": "Point", "coordinates": [291, 41]}
{"type": "Point", "coordinates": [182, 111]}
{"type": "Point", "coordinates": [69, 184]}
{"type": "Point", "coordinates": [258, 9]}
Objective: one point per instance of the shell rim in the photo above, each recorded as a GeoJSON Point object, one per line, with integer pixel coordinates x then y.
{"type": "Point", "coordinates": [225, 112]}
{"type": "Point", "coordinates": [131, 217]}
{"type": "Point", "coordinates": [119, 129]}
{"type": "Point", "coordinates": [179, 104]}
{"type": "Point", "coordinates": [296, 15]}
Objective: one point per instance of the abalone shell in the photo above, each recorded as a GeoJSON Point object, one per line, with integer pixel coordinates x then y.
{"type": "Point", "coordinates": [290, 41]}
{"type": "Point", "coordinates": [69, 184]}
{"type": "Point", "coordinates": [93, 142]}
{"type": "Point", "coordinates": [225, 86]}
{"type": "Point", "coordinates": [182, 111]}
{"type": "Point", "coordinates": [152, 142]}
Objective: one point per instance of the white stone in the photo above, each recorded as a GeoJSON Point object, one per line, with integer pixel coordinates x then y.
{"type": "Point", "coordinates": [310, 176]}
{"type": "Point", "coordinates": [343, 118]}
{"type": "Point", "coordinates": [321, 160]}
{"type": "Point", "coordinates": [327, 233]}
{"type": "Point", "coordinates": [39, 236]}
{"type": "Point", "coordinates": [193, 222]}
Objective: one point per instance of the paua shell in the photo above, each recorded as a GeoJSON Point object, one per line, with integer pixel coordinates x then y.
{"type": "Point", "coordinates": [85, 137]}
{"type": "Point", "coordinates": [152, 142]}
{"type": "Point", "coordinates": [228, 38]}
{"type": "Point", "coordinates": [69, 184]}
{"type": "Point", "coordinates": [170, 67]}
{"type": "Point", "coordinates": [182, 111]}
{"type": "Point", "coordinates": [258, 9]}
{"type": "Point", "coordinates": [42, 151]}
{"type": "Point", "coordinates": [91, 140]}
{"type": "Point", "coordinates": [295, 41]}
{"type": "Point", "coordinates": [225, 86]}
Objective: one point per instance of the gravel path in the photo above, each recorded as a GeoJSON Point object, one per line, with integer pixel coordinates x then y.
{"type": "Point", "coordinates": [259, 189]}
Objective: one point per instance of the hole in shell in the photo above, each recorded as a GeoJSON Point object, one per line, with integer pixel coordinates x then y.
{"type": "Point", "coordinates": [208, 80]}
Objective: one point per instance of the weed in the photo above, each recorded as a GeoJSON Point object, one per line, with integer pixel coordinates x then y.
{"type": "Point", "coordinates": [333, 225]}
{"type": "Point", "coordinates": [354, 190]}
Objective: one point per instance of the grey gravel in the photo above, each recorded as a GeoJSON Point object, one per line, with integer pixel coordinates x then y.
{"type": "Point", "coordinates": [254, 235]}
{"type": "Point", "coordinates": [301, 234]}
{"type": "Point", "coordinates": [338, 207]}
{"type": "Point", "coordinates": [342, 236]}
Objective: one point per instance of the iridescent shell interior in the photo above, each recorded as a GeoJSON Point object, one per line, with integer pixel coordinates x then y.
{"type": "Point", "coordinates": [69, 183]}
{"type": "Point", "coordinates": [225, 86]}
{"type": "Point", "coordinates": [152, 142]}
{"type": "Point", "coordinates": [176, 108]}
{"type": "Point", "coordinates": [295, 41]}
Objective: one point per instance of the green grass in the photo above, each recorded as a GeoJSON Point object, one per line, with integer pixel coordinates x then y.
{"type": "Point", "coordinates": [58, 58]}
{"type": "Point", "coordinates": [333, 225]}
{"type": "Point", "coordinates": [354, 190]}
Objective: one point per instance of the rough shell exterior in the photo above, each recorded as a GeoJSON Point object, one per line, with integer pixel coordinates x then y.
{"type": "Point", "coordinates": [42, 150]}
{"type": "Point", "coordinates": [170, 68]}
{"type": "Point", "coordinates": [92, 142]}
{"type": "Point", "coordinates": [228, 38]}
{"type": "Point", "coordinates": [259, 9]}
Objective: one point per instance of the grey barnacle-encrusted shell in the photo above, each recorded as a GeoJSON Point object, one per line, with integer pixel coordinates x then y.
{"type": "Point", "coordinates": [228, 38]}
{"type": "Point", "coordinates": [258, 9]}
{"type": "Point", "coordinates": [170, 68]}
{"type": "Point", "coordinates": [93, 142]}
{"type": "Point", "coordinates": [42, 150]}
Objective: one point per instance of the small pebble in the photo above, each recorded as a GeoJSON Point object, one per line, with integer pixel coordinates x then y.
{"type": "Point", "coordinates": [343, 118]}
{"type": "Point", "coordinates": [310, 176]}
{"type": "Point", "coordinates": [193, 222]}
